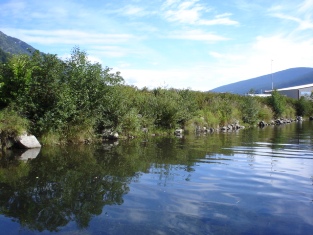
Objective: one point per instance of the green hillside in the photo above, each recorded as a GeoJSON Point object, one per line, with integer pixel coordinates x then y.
{"type": "Point", "coordinates": [3, 56]}
{"type": "Point", "coordinates": [14, 46]}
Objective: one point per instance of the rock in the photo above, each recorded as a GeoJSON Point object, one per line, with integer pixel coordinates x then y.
{"type": "Point", "coordinates": [178, 132]}
{"type": "Point", "coordinates": [110, 134]}
{"type": "Point", "coordinates": [299, 118]}
{"type": "Point", "coordinates": [198, 129]}
{"type": "Point", "coordinates": [113, 136]}
{"type": "Point", "coordinates": [278, 122]}
{"type": "Point", "coordinates": [28, 142]}
{"type": "Point", "coordinates": [262, 124]}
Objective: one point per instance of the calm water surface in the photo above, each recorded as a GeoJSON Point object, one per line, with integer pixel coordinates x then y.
{"type": "Point", "coordinates": [256, 181]}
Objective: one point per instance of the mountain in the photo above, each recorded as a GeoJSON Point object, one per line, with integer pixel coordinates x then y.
{"type": "Point", "coordinates": [286, 78]}
{"type": "Point", "coordinates": [3, 56]}
{"type": "Point", "coordinates": [14, 46]}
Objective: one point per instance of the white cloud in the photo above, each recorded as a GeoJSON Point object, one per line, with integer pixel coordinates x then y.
{"type": "Point", "coordinates": [72, 37]}
{"type": "Point", "coordinates": [133, 10]}
{"type": "Point", "coordinates": [169, 3]}
{"type": "Point", "coordinates": [303, 23]}
{"type": "Point", "coordinates": [191, 12]}
{"type": "Point", "coordinates": [286, 52]}
{"type": "Point", "coordinates": [306, 6]}
{"type": "Point", "coordinates": [197, 35]}
{"type": "Point", "coordinates": [109, 51]}
{"type": "Point", "coordinates": [186, 12]}
{"type": "Point", "coordinates": [226, 56]}
{"type": "Point", "coordinates": [219, 21]}
{"type": "Point", "coordinates": [178, 78]}
{"type": "Point", "coordinates": [302, 15]}
{"type": "Point", "coordinates": [250, 61]}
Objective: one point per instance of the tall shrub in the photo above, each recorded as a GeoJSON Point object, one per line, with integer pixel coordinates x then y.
{"type": "Point", "coordinates": [278, 103]}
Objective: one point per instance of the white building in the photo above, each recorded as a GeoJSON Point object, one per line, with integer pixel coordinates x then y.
{"type": "Point", "coordinates": [295, 92]}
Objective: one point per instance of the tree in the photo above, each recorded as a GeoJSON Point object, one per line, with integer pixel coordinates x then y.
{"type": "Point", "coordinates": [304, 107]}
{"type": "Point", "coordinates": [278, 103]}
{"type": "Point", "coordinates": [250, 110]}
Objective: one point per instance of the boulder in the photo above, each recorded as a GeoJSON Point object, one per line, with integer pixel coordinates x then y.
{"type": "Point", "coordinates": [262, 124]}
{"type": "Point", "coordinates": [27, 142]}
{"type": "Point", "coordinates": [224, 128]}
{"type": "Point", "coordinates": [113, 136]}
{"type": "Point", "coordinates": [299, 118]}
{"type": "Point", "coordinates": [278, 122]}
{"type": "Point", "coordinates": [178, 132]}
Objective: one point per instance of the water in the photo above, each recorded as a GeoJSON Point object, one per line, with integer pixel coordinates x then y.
{"type": "Point", "coordinates": [256, 181]}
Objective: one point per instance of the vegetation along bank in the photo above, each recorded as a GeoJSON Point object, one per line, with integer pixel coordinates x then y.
{"type": "Point", "coordinates": [75, 100]}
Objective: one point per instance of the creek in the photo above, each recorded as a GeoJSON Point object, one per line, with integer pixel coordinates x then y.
{"type": "Point", "coordinates": [254, 181]}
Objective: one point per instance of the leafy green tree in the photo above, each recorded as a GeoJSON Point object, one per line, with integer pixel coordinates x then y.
{"type": "Point", "coordinates": [304, 106]}
{"type": "Point", "coordinates": [278, 103]}
{"type": "Point", "coordinates": [250, 110]}
{"type": "Point", "coordinates": [15, 79]}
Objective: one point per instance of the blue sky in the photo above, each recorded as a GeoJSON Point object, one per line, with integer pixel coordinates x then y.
{"type": "Point", "coordinates": [194, 44]}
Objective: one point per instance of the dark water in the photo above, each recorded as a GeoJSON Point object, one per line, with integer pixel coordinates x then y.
{"type": "Point", "coordinates": [256, 181]}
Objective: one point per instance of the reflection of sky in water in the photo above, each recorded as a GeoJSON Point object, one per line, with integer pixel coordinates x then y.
{"type": "Point", "coordinates": [204, 186]}
{"type": "Point", "coordinates": [260, 190]}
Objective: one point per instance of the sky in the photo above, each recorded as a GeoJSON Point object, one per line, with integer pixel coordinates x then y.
{"type": "Point", "coordinates": [183, 44]}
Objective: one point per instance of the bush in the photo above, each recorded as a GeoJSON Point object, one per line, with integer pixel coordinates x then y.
{"type": "Point", "coordinates": [250, 109]}
{"type": "Point", "coordinates": [304, 107]}
{"type": "Point", "coordinates": [265, 113]}
{"type": "Point", "coordinates": [278, 103]}
{"type": "Point", "coordinates": [130, 123]}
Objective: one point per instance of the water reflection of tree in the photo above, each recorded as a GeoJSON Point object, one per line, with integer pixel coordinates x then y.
{"type": "Point", "coordinates": [74, 184]}
{"type": "Point", "coordinates": [60, 187]}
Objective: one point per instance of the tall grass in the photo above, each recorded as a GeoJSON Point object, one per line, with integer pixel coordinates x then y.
{"type": "Point", "coordinates": [11, 126]}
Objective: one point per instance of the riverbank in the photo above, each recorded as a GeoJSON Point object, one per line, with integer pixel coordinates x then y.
{"type": "Point", "coordinates": [77, 101]}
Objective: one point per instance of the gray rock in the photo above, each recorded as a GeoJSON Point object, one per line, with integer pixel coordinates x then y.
{"type": "Point", "coordinates": [224, 128]}
{"type": "Point", "coordinates": [113, 136]}
{"type": "Point", "coordinates": [28, 142]}
{"type": "Point", "coordinates": [178, 132]}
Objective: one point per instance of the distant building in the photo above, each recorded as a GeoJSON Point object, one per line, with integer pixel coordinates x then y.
{"type": "Point", "coordinates": [295, 92]}
{"type": "Point", "coordinates": [259, 95]}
